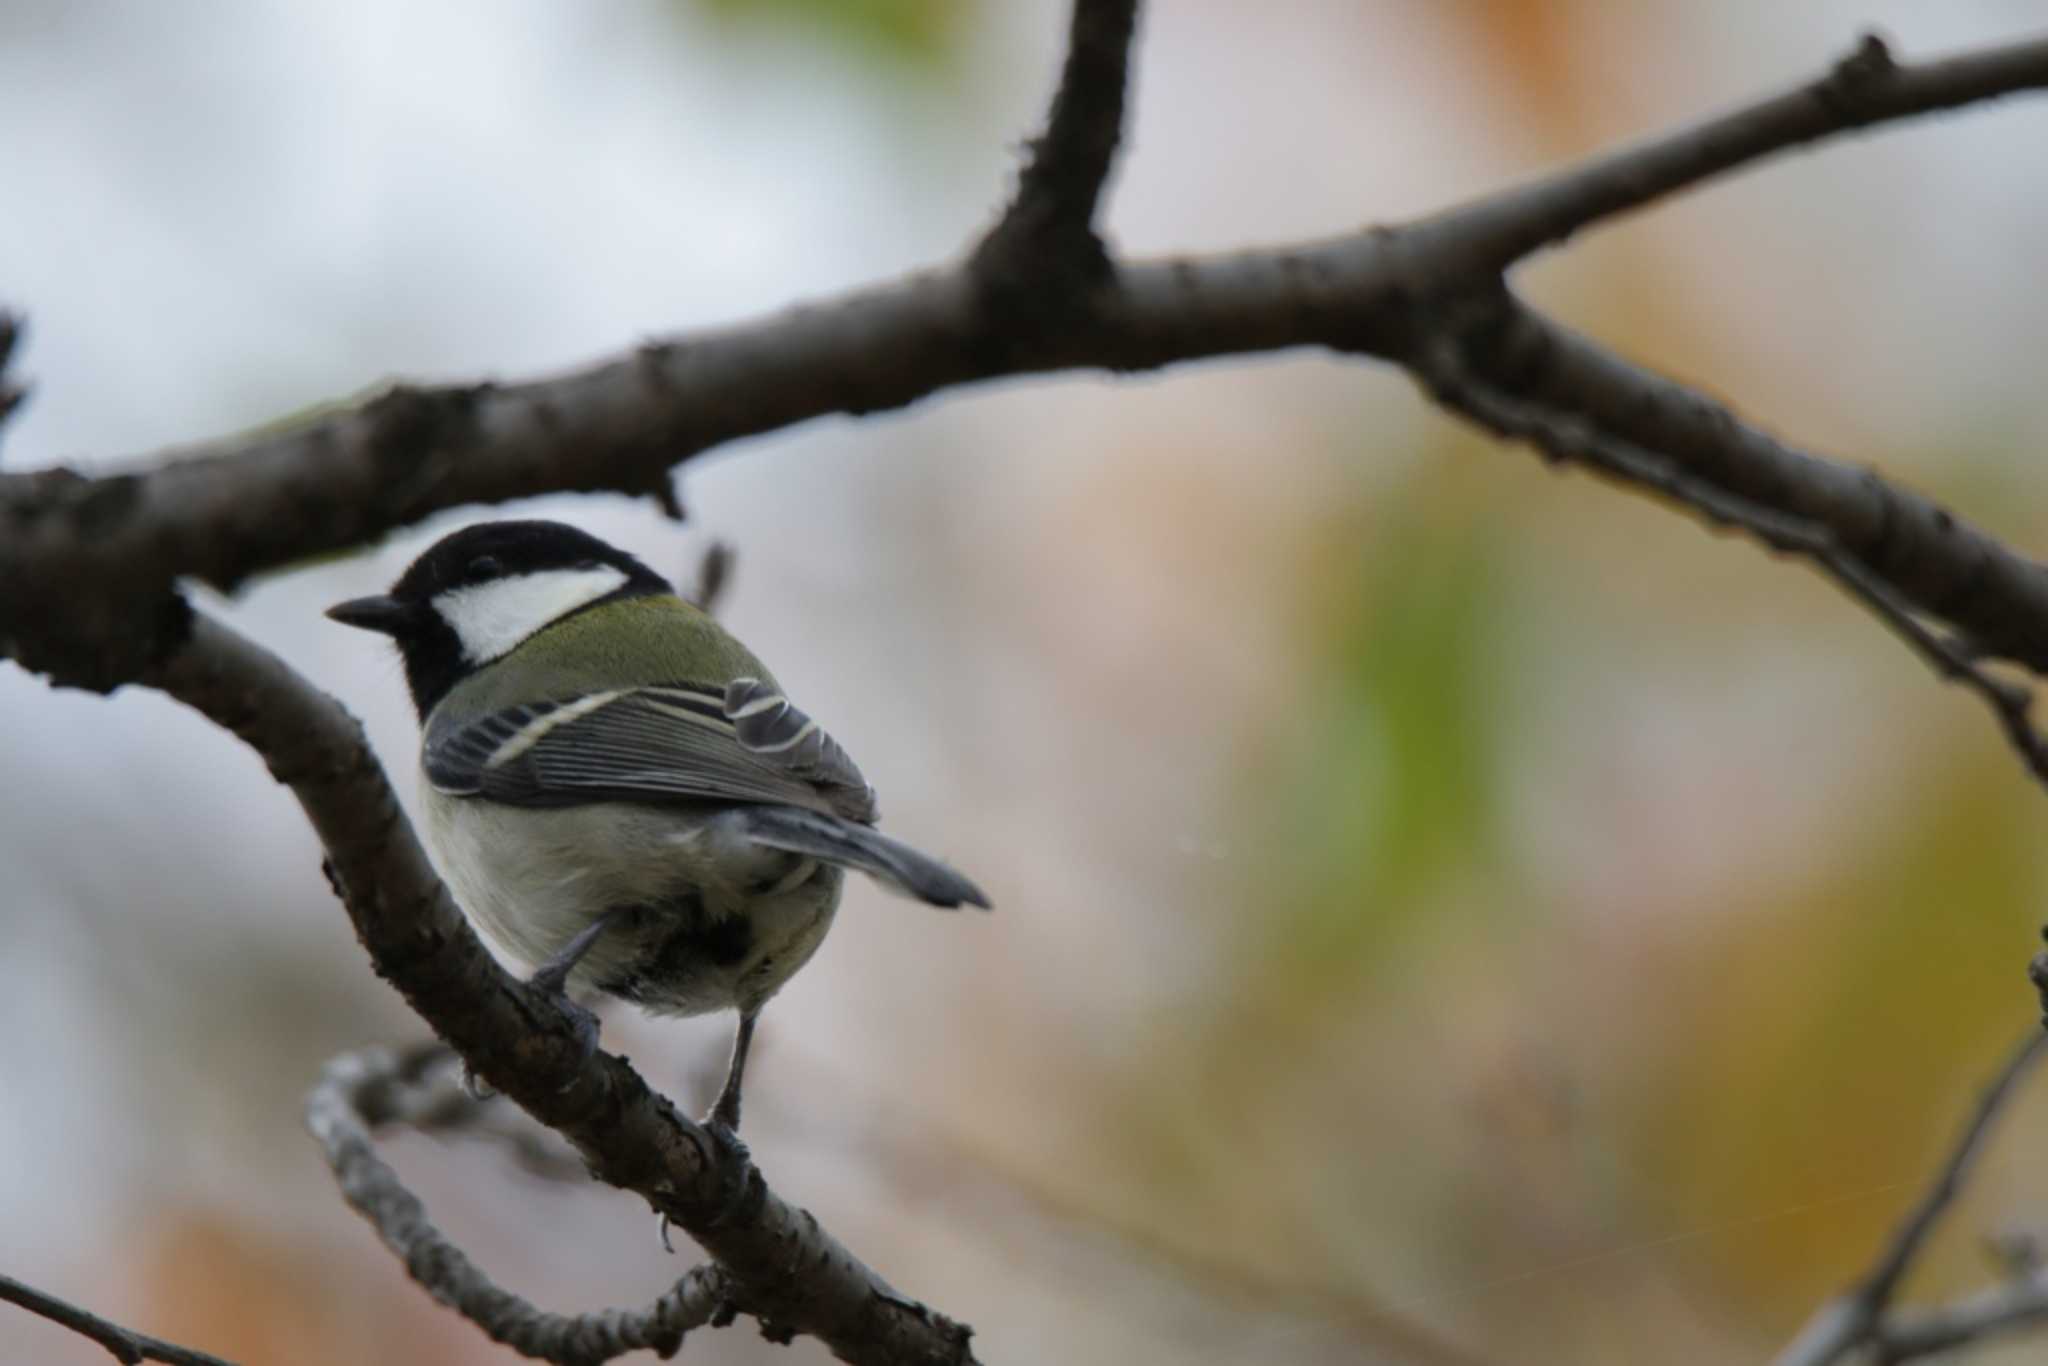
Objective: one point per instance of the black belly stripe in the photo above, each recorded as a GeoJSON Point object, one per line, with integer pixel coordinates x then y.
{"type": "Point", "coordinates": [693, 939]}
{"type": "Point", "coordinates": [723, 942]}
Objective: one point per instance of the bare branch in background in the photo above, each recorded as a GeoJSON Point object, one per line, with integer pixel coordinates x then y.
{"type": "Point", "coordinates": [12, 393]}
{"type": "Point", "coordinates": [128, 1347]}
{"type": "Point", "coordinates": [1566, 436]}
{"type": "Point", "coordinates": [1862, 1317]}
{"type": "Point", "coordinates": [428, 1094]}
{"type": "Point", "coordinates": [361, 1092]}
{"type": "Point", "coordinates": [714, 574]}
{"type": "Point", "coordinates": [1911, 1332]}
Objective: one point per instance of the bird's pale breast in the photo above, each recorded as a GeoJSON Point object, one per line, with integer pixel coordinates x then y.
{"type": "Point", "coordinates": [714, 920]}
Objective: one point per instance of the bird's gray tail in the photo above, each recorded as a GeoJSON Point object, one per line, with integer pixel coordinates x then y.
{"type": "Point", "coordinates": [896, 866]}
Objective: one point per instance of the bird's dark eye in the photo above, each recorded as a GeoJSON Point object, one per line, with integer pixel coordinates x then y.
{"type": "Point", "coordinates": [483, 567]}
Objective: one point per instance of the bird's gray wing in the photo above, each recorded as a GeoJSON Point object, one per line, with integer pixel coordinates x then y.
{"type": "Point", "coordinates": [672, 742]}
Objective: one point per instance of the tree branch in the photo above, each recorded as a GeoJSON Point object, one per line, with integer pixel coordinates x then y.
{"type": "Point", "coordinates": [1566, 435]}
{"type": "Point", "coordinates": [427, 1094]}
{"type": "Point", "coordinates": [360, 1092]}
{"type": "Point", "coordinates": [12, 395]}
{"type": "Point", "coordinates": [714, 573]}
{"type": "Point", "coordinates": [1907, 1333]}
{"type": "Point", "coordinates": [1859, 1316]}
{"type": "Point", "coordinates": [128, 1347]}
{"type": "Point", "coordinates": [1045, 241]}
{"type": "Point", "coordinates": [1941, 564]}
{"type": "Point", "coordinates": [785, 1269]}
{"type": "Point", "coordinates": [224, 511]}
{"type": "Point", "coordinates": [1868, 86]}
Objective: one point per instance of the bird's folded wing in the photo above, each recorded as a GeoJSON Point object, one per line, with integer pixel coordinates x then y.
{"type": "Point", "coordinates": [674, 742]}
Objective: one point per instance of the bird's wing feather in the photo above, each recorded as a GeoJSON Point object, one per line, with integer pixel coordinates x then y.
{"type": "Point", "coordinates": [673, 742]}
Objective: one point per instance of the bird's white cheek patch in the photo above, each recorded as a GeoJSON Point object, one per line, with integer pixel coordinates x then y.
{"type": "Point", "coordinates": [490, 618]}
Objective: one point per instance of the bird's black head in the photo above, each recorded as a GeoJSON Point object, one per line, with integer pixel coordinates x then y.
{"type": "Point", "coordinates": [478, 592]}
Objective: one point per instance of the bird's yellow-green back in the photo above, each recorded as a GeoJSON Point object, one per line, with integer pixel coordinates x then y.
{"type": "Point", "coordinates": [657, 638]}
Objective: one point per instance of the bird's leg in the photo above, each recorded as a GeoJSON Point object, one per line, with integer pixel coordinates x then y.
{"type": "Point", "coordinates": [552, 976]}
{"type": "Point", "coordinates": [726, 1113]}
{"type": "Point", "coordinates": [723, 1125]}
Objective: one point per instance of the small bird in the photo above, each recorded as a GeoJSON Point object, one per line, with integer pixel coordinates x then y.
{"type": "Point", "coordinates": [616, 789]}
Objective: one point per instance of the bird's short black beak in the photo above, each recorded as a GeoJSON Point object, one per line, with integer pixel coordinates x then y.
{"type": "Point", "coordinates": [383, 614]}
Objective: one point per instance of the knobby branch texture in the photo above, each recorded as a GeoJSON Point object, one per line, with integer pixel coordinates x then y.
{"type": "Point", "coordinates": [89, 569]}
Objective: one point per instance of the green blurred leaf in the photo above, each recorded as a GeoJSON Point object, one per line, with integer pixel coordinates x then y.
{"type": "Point", "coordinates": [1399, 790]}
{"type": "Point", "coordinates": [915, 33]}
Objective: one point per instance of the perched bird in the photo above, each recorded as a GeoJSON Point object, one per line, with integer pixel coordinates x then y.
{"type": "Point", "coordinates": [616, 790]}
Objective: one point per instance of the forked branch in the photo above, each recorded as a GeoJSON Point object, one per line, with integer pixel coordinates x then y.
{"type": "Point", "coordinates": [1864, 1315]}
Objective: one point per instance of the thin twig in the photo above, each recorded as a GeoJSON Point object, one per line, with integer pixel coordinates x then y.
{"type": "Point", "coordinates": [429, 1094]}
{"type": "Point", "coordinates": [11, 393]}
{"type": "Point", "coordinates": [1867, 86]}
{"type": "Point", "coordinates": [1882, 1283]}
{"type": "Point", "coordinates": [1568, 437]}
{"type": "Point", "coordinates": [714, 575]}
{"type": "Point", "coordinates": [1858, 1317]}
{"type": "Point", "coordinates": [1913, 1331]}
{"type": "Point", "coordinates": [360, 1091]}
{"type": "Point", "coordinates": [127, 1345]}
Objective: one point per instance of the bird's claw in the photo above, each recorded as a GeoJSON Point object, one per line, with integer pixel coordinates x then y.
{"type": "Point", "coordinates": [583, 1021]}
{"type": "Point", "coordinates": [730, 1155]}
{"type": "Point", "coordinates": [475, 1087]}
{"type": "Point", "coordinates": [725, 1136]}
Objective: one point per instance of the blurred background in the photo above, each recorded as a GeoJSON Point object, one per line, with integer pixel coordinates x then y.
{"type": "Point", "coordinates": [1449, 912]}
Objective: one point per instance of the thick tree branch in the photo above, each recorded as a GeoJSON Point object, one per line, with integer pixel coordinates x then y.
{"type": "Point", "coordinates": [785, 1269]}
{"type": "Point", "coordinates": [1860, 1316]}
{"type": "Point", "coordinates": [234, 508]}
{"type": "Point", "coordinates": [128, 1347]}
{"type": "Point", "coordinates": [361, 1092]}
{"type": "Point", "coordinates": [1045, 242]}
